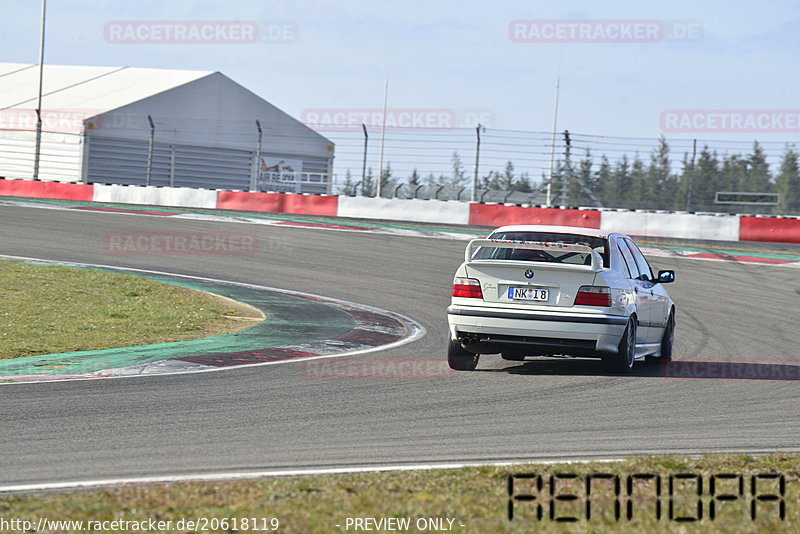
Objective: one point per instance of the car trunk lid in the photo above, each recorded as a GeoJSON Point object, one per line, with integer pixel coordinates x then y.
{"type": "Point", "coordinates": [550, 276]}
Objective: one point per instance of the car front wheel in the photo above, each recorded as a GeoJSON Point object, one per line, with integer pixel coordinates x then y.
{"type": "Point", "coordinates": [622, 361]}
{"type": "Point", "coordinates": [460, 359]}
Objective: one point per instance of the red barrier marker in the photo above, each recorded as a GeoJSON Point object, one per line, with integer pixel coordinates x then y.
{"type": "Point", "coordinates": [277, 203]}
{"type": "Point", "coordinates": [36, 189]}
{"type": "Point", "coordinates": [769, 229]}
{"type": "Point", "coordinates": [499, 215]}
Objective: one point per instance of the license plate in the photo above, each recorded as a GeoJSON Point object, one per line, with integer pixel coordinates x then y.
{"type": "Point", "coordinates": [528, 293]}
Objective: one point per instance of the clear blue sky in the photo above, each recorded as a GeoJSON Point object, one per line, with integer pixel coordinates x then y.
{"type": "Point", "coordinates": [458, 56]}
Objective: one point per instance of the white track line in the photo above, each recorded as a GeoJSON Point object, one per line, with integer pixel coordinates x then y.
{"type": "Point", "coordinates": [252, 475]}
{"type": "Point", "coordinates": [280, 473]}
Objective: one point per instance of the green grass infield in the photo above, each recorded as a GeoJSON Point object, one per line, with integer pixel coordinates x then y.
{"type": "Point", "coordinates": [53, 309]}
{"type": "Point", "coordinates": [714, 493]}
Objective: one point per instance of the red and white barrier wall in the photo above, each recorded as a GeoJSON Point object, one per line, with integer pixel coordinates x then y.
{"type": "Point", "coordinates": [155, 196]}
{"type": "Point", "coordinates": [776, 230]}
{"type": "Point", "coordinates": [277, 203]}
{"type": "Point", "coordinates": [33, 189]}
{"type": "Point", "coordinates": [398, 209]}
{"type": "Point", "coordinates": [718, 227]}
{"type": "Point", "coordinates": [722, 227]}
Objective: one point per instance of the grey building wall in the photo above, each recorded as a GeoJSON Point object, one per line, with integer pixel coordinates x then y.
{"type": "Point", "coordinates": [204, 135]}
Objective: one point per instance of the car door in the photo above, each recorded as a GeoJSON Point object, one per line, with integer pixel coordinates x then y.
{"type": "Point", "coordinates": [642, 290]}
{"type": "Point", "coordinates": [658, 297]}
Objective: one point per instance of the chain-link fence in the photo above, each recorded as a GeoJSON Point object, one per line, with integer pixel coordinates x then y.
{"type": "Point", "coordinates": [471, 164]}
{"type": "Point", "coordinates": [569, 169]}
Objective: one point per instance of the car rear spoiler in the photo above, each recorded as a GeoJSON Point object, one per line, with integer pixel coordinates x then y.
{"type": "Point", "coordinates": [475, 244]}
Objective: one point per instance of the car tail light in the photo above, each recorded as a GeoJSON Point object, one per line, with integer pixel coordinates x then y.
{"type": "Point", "coordinates": [593, 296]}
{"type": "Point", "coordinates": [467, 287]}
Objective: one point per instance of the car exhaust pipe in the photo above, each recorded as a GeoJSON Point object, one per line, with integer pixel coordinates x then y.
{"type": "Point", "coordinates": [468, 340]}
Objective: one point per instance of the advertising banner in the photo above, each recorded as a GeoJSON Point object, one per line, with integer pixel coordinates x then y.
{"type": "Point", "coordinates": [279, 174]}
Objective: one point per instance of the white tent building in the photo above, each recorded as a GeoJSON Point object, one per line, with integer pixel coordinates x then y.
{"type": "Point", "coordinates": [123, 125]}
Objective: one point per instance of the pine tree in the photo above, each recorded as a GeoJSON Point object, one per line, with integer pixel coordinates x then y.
{"type": "Point", "coordinates": [348, 188]}
{"type": "Point", "coordinates": [523, 183]}
{"type": "Point", "coordinates": [431, 184]}
{"type": "Point", "coordinates": [414, 182]}
{"type": "Point", "coordinates": [733, 174]}
{"type": "Point", "coordinates": [489, 181]}
{"type": "Point", "coordinates": [620, 183]}
{"type": "Point", "coordinates": [565, 172]}
{"type": "Point", "coordinates": [577, 195]}
{"type": "Point", "coordinates": [635, 195]}
{"type": "Point", "coordinates": [758, 177]}
{"type": "Point", "coordinates": [706, 180]}
{"type": "Point", "coordinates": [506, 181]}
{"type": "Point", "coordinates": [788, 183]}
{"type": "Point", "coordinates": [387, 184]}
{"type": "Point", "coordinates": [368, 187]}
{"type": "Point", "coordinates": [555, 183]}
{"type": "Point", "coordinates": [659, 186]}
{"type": "Point", "coordinates": [685, 178]}
{"type": "Point", "coordinates": [457, 180]}
{"type": "Point", "coordinates": [602, 179]}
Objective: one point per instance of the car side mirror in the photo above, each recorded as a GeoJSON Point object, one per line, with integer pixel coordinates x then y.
{"type": "Point", "coordinates": [665, 277]}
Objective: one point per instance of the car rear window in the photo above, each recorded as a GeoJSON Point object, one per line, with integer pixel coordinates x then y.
{"type": "Point", "coordinates": [599, 244]}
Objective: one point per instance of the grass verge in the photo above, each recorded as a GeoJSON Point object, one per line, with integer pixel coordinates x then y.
{"type": "Point", "coordinates": [51, 309]}
{"type": "Point", "coordinates": [476, 499]}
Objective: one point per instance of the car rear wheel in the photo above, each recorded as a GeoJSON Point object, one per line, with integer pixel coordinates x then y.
{"type": "Point", "coordinates": [460, 359]}
{"type": "Point", "coordinates": [667, 341]}
{"type": "Point", "coordinates": [622, 361]}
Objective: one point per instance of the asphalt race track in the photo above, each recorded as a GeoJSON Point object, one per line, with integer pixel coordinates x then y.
{"type": "Point", "coordinates": [275, 417]}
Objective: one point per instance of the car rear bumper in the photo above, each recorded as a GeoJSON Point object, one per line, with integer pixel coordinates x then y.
{"type": "Point", "coordinates": [490, 329]}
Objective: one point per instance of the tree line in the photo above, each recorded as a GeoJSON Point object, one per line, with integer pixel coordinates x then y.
{"type": "Point", "coordinates": [629, 182]}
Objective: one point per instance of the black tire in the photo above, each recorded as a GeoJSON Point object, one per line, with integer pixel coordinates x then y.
{"type": "Point", "coordinates": [622, 361]}
{"type": "Point", "coordinates": [459, 358]}
{"type": "Point", "coordinates": [667, 341]}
